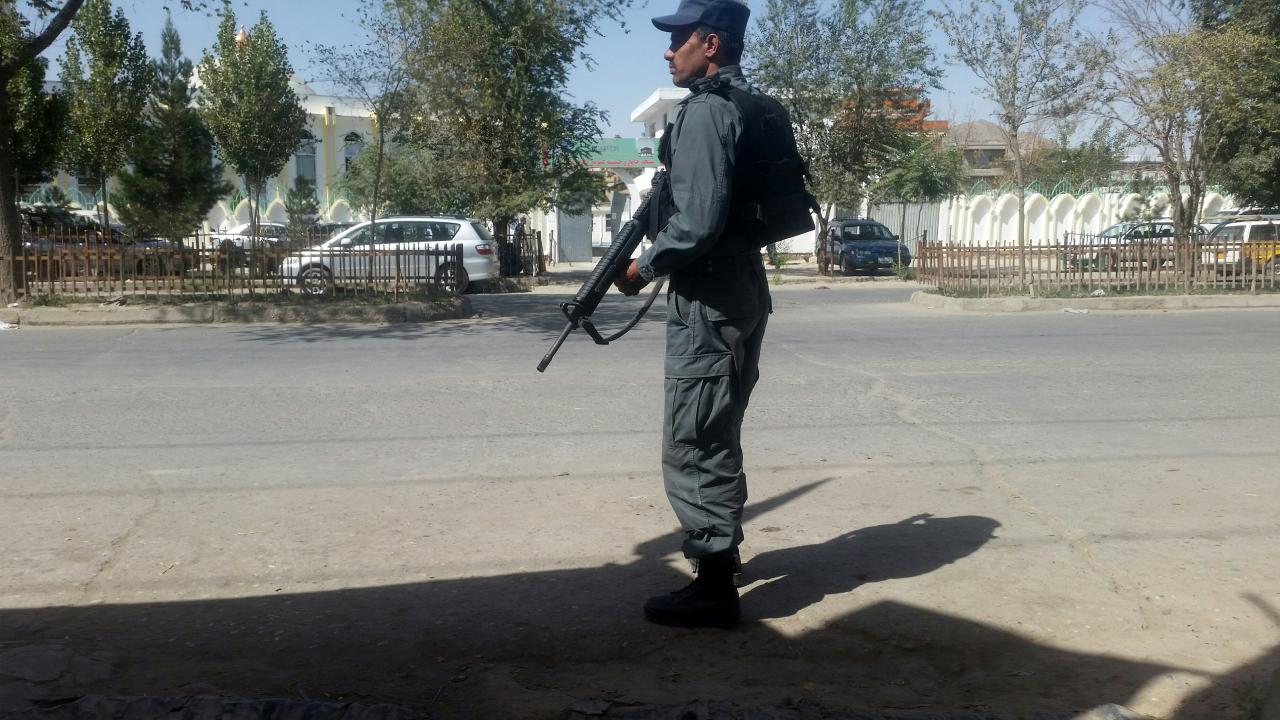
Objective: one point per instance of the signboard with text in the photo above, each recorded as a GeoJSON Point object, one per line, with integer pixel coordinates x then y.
{"type": "Point", "coordinates": [624, 153]}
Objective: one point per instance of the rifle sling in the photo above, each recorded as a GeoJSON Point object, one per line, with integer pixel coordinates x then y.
{"type": "Point", "coordinates": [644, 309]}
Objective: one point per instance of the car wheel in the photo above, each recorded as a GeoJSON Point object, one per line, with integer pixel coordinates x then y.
{"type": "Point", "coordinates": [453, 278]}
{"type": "Point", "coordinates": [314, 280]}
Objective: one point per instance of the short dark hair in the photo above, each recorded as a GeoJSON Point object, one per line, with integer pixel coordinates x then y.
{"type": "Point", "coordinates": [730, 44]}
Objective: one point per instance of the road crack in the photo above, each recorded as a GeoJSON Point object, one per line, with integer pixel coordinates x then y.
{"type": "Point", "coordinates": [91, 590]}
{"type": "Point", "coordinates": [990, 471]}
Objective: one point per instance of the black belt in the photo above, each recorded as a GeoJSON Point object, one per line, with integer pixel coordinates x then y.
{"type": "Point", "coordinates": [707, 265]}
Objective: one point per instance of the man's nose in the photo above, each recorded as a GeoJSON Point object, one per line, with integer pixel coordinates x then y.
{"type": "Point", "coordinates": [669, 55]}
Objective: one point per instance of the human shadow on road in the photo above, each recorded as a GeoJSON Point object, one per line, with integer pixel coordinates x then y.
{"type": "Point", "coordinates": [528, 644]}
{"type": "Point", "coordinates": [795, 578]}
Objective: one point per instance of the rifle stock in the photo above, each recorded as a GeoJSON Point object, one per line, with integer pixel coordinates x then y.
{"type": "Point", "coordinates": [578, 311]}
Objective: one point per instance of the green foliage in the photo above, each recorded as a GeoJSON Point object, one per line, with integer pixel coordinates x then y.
{"type": "Point", "coordinates": [248, 103]}
{"type": "Point", "coordinates": [417, 183]}
{"type": "Point", "coordinates": [1092, 161]}
{"type": "Point", "coordinates": [107, 90]}
{"type": "Point", "coordinates": [173, 182]}
{"type": "Point", "coordinates": [1248, 161]}
{"type": "Point", "coordinates": [302, 207]}
{"type": "Point", "coordinates": [852, 79]}
{"type": "Point", "coordinates": [377, 72]}
{"type": "Point", "coordinates": [490, 80]}
{"type": "Point", "coordinates": [924, 172]}
{"type": "Point", "coordinates": [40, 124]}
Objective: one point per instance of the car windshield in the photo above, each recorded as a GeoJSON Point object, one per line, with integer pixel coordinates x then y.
{"type": "Point", "coordinates": [1116, 230]}
{"type": "Point", "coordinates": [866, 232]}
{"type": "Point", "coordinates": [1228, 234]}
{"type": "Point", "coordinates": [348, 237]}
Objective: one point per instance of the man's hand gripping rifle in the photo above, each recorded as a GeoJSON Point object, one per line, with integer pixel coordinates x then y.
{"type": "Point", "coordinates": [614, 263]}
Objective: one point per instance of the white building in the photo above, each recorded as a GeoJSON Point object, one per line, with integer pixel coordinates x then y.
{"type": "Point", "coordinates": [338, 129]}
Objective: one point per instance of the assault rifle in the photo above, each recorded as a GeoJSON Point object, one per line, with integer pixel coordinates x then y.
{"type": "Point", "coordinates": [615, 261]}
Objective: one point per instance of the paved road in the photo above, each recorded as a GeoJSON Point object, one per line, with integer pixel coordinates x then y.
{"type": "Point", "coordinates": [992, 513]}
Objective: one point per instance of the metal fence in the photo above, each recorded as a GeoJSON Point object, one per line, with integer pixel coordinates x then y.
{"type": "Point", "coordinates": [909, 221]}
{"type": "Point", "coordinates": [522, 253]}
{"type": "Point", "coordinates": [90, 265]}
{"type": "Point", "coordinates": [1081, 264]}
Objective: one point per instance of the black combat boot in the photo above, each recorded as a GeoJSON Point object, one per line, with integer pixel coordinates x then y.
{"type": "Point", "coordinates": [711, 600]}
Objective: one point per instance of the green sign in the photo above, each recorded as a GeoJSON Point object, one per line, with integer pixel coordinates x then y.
{"type": "Point", "coordinates": [624, 152]}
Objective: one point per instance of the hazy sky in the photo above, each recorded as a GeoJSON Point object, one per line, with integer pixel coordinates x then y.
{"type": "Point", "coordinates": [628, 61]}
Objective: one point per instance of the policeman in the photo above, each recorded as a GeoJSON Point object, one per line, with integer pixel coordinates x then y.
{"type": "Point", "coordinates": [717, 308]}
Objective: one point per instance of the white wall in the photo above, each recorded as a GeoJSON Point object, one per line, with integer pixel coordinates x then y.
{"type": "Point", "coordinates": [987, 220]}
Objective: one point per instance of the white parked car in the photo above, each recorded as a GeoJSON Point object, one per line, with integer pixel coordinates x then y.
{"type": "Point", "coordinates": [270, 234]}
{"type": "Point", "coordinates": [404, 247]}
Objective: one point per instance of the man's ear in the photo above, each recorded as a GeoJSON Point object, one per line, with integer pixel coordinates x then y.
{"type": "Point", "coordinates": [712, 41]}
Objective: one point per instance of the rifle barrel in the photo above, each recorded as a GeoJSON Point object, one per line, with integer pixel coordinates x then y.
{"type": "Point", "coordinates": [564, 335]}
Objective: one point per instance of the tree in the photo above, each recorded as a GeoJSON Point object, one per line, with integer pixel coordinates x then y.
{"type": "Point", "coordinates": [1248, 161]}
{"type": "Point", "coordinates": [40, 125]}
{"type": "Point", "coordinates": [302, 208]}
{"type": "Point", "coordinates": [1179, 87]}
{"type": "Point", "coordinates": [490, 79]}
{"type": "Point", "coordinates": [249, 105]}
{"type": "Point", "coordinates": [19, 47]}
{"type": "Point", "coordinates": [1093, 160]}
{"type": "Point", "coordinates": [376, 72]}
{"type": "Point", "coordinates": [926, 172]}
{"type": "Point", "coordinates": [173, 181]}
{"type": "Point", "coordinates": [107, 93]}
{"type": "Point", "coordinates": [852, 80]}
{"type": "Point", "coordinates": [1033, 63]}
{"type": "Point", "coordinates": [422, 184]}
{"type": "Point", "coordinates": [884, 63]}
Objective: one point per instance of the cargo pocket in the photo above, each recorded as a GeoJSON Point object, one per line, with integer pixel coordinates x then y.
{"type": "Point", "coordinates": [700, 409]}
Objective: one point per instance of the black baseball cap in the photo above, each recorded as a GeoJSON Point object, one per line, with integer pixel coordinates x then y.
{"type": "Point", "coordinates": [728, 15]}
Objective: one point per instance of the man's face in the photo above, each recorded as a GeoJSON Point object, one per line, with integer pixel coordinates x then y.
{"type": "Point", "coordinates": [687, 58]}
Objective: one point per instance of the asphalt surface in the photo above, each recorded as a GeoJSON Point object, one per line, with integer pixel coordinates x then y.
{"type": "Point", "coordinates": [1003, 514]}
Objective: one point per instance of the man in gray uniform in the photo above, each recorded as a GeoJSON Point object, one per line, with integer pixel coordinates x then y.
{"type": "Point", "coordinates": [717, 308]}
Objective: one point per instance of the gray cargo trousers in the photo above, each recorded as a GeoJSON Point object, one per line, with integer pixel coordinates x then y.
{"type": "Point", "coordinates": [717, 311]}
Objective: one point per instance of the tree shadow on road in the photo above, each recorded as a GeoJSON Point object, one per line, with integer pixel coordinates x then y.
{"type": "Point", "coordinates": [529, 644]}
{"type": "Point", "coordinates": [531, 314]}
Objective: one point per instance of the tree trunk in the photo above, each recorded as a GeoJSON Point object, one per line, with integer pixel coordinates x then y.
{"type": "Point", "coordinates": [1177, 211]}
{"type": "Point", "coordinates": [1016, 147]}
{"type": "Point", "coordinates": [255, 227]}
{"type": "Point", "coordinates": [10, 225]}
{"type": "Point", "coordinates": [377, 192]}
{"type": "Point", "coordinates": [105, 215]}
{"type": "Point", "coordinates": [504, 246]}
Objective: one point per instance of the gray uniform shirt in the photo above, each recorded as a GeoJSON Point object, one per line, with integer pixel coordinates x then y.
{"type": "Point", "coordinates": [704, 146]}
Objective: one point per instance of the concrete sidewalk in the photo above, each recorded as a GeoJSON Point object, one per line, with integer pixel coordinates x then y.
{"type": "Point", "coordinates": [932, 300]}
{"type": "Point", "coordinates": [205, 313]}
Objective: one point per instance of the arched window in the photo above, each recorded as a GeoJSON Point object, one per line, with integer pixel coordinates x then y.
{"type": "Point", "coordinates": [353, 144]}
{"type": "Point", "coordinates": [306, 159]}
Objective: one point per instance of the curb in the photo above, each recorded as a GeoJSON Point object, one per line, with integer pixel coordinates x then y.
{"type": "Point", "coordinates": [239, 313]}
{"type": "Point", "coordinates": [934, 301]}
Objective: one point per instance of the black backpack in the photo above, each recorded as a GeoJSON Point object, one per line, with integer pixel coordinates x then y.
{"type": "Point", "coordinates": [770, 200]}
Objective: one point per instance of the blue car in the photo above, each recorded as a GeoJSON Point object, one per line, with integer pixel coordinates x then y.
{"type": "Point", "coordinates": [861, 245]}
